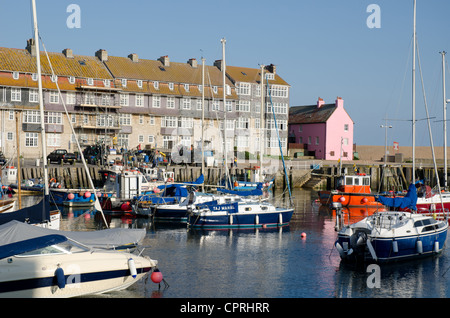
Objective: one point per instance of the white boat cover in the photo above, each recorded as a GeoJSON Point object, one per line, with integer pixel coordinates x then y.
{"type": "Point", "coordinates": [15, 231]}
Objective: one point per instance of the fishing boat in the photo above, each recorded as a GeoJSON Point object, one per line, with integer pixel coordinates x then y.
{"type": "Point", "coordinates": [351, 191]}
{"type": "Point", "coordinates": [76, 198]}
{"type": "Point", "coordinates": [46, 264]}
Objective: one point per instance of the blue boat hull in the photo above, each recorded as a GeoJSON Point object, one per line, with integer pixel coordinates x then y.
{"type": "Point", "coordinates": [241, 220]}
{"type": "Point", "coordinates": [407, 247]}
{"type": "Point", "coordinates": [170, 215]}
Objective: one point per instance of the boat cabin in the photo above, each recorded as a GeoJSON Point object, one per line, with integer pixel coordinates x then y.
{"type": "Point", "coordinates": [355, 183]}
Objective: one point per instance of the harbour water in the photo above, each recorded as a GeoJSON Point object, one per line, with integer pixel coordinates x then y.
{"type": "Point", "coordinates": [271, 263]}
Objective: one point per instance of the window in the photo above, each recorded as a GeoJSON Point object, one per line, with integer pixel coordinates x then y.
{"type": "Point", "coordinates": [279, 108]}
{"type": "Point", "coordinates": [54, 78]}
{"type": "Point", "coordinates": [242, 142]}
{"type": "Point", "coordinates": [257, 123]}
{"type": "Point", "coordinates": [10, 136]}
{"type": "Point", "coordinates": [125, 119]}
{"type": "Point", "coordinates": [70, 98]}
{"type": "Point", "coordinates": [73, 118]}
{"type": "Point", "coordinates": [72, 79]}
{"type": "Point", "coordinates": [141, 119]}
{"type": "Point", "coordinates": [244, 89]}
{"type": "Point", "coordinates": [156, 101]}
{"type": "Point", "coordinates": [106, 99]}
{"type": "Point", "coordinates": [317, 140]}
{"type": "Point", "coordinates": [105, 121]}
{"type": "Point", "coordinates": [345, 127]}
{"type": "Point", "coordinates": [53, 140]}
{"type": "Point", "coordinates": [215, 89]}
{"type": "Point", "coordinates": [167, 142]}
{"type": "Point", "coordinates": [186, 87]}
{"type": "Point", "coordinates": [229, 105]}
{"type": "Point", "coordinates": [199, 105]}
{"type": "Point", "coordinates": [270, 76]}
{"type": "Point", "coordinates": [170, 102]}
{"type": "Point", "coordinates": [90, 81]}
{"type": "Point", "coordinates": [171, 86]}
{"type": "Point", "coordinates": [31, 117]}
{"type": "Point", "coordinates": [89, 99]}
{"type": "Point", "coordinates": [243, 106]}
{"type": "Point", "coordinates": [34, 96]}
{"type": "Point", "coordinates": [140, 139]}
{"type": "Point", "coordinates": [16, 94]}
{"type": "Point", "coordinates": [156, 85]}
{"type": "Point", "coordinates": [122, 140]}
{"type": "Point", "coordinates": [152, 120]}
{"type": "Point", "coordinates": [52, 118]}
{"type": "Point", "coordinates": [186, 103]}
{"type": "Point", "coordinates": [186, 122]}
{"type": "Point", "coordinates": [139, 83]}
{"type": "Point", "coordinates": [16, 75]}
{"type": "Point", "coordinates": [278, 91]}
{"type": "Point", "coordinates": [107, 83]}
{"type": "Point", "coordinates": [169, 122]}
{"type": "Point", "coordinates": [150, 139]}
{"type": "Point", "coordinates": [243, 123]}
{"type": "Point", "coordinates": [139, 100]}
{"type": "Point", "coordinates": [258, 90]}
{"type": "Point", "coordinates": [11, 115]}
{"type": "Point", "coordinates": [228, 89]}
{"type": "Point", "coordinates": [34, 77]}
{"type": "Point", "coordinates": [124, 99]}
{"type": "Point", "coordinates": [54, 97]}
{"type": "Point", "coordinates": [215, 105]}
{"type": "Point", "coordinates": [31, 139]}
{"type": "Point", "coordinates": [185, 141]}
{"type": "Point", "coordinates": [124, 82]}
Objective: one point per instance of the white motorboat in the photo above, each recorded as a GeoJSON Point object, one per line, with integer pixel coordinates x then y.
{"type": "Point", "coordinates": [38, 263]}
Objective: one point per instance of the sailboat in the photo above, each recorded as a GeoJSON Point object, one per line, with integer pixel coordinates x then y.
{"type": "Point", "coordinates": [231, 210]}
{"type": "Point", "coordinates": [388, 236]}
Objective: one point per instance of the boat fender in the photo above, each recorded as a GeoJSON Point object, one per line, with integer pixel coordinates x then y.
{"type": "Point", "coordinates": [339, 249]}
{"type": "Point", "coordinates": [395, 246]}
{"type": "Point", "coordinates": [419, 247]}
{"type": "Point", "coordinates": [280, 219]}
{"type": "Point", "coordinates": [256, 219]}
{"type": "Point", "coordinates": [156, 276]}
{"type": "Point", "coordinates": [371, 249]}
{"type": "Point", "coordinates": [132, 267]}
{"type": "Point", "coordinates": [60, 279]}
{"type": "Point", "coordinates": [436, 246]}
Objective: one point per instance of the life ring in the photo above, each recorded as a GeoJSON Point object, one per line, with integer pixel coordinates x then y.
{"type": "Point", "coordinates": [52, 180]}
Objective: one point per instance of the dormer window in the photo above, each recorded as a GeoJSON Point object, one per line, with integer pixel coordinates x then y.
{"type": "Point", "coordinates": [270, 76]}
{"type": "Point", "coordinates": [124, 82]}
{"type": "Point", "coordinates": [139, 83]}
{"type": "Point", "coordinates": [16, 75]}
{"type": "Point", "coordinates": [72, 79]}
{"type": "Point", "coordinates": [171, 86]}
{"type": "Point", "coordinates": [215, 89]}
{"type": "Point", "coordinates": [90, 81]}
{"type": "Point", "coordinates": [54, 78]}
{"type": "Point", "coordinates": [156, 85]}
{"type": "Point", "coordinates": [186, 87]}
{"type": "Point", "coordinates": [34, 77]}
{"type": "Point", "coordinates": [107, 83]}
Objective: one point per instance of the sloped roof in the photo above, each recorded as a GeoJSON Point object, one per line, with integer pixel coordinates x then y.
{"type": "Point", "coordinates": [310, 114]}
{"type": "Point", "coordinates": [80, 66]}
{"type": "Point", "coordinates": [251, 75]}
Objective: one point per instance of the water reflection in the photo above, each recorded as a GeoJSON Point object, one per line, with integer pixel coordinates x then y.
{"type": "Point", "coordinates": [270, 263]}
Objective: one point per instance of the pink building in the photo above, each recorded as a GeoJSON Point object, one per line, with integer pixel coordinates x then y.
{"type": "Point", "coordinates": [324, 130]}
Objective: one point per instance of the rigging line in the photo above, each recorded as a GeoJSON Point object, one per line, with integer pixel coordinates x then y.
{"type": "Point", "coordinates": [98, 206]}
{"type": "Point", "coordinates": [429, 128]}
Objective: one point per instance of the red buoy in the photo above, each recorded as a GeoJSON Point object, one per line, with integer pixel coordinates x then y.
{"type": "Point", "coordinates": [156, 276]}
{"type": "Point", "coordinates": [125, 206]}
{"type": "Point", "coordinates": [342, 199]}
{"type": "Point", "coordinates": [364, 200]}
{"type": "Point", "coordinates": [87, 194]}
{"type": "Point", "coordinates": [70, 196]}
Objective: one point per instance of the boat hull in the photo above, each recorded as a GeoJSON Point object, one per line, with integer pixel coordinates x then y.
{"type": "Point", "coordinates": [349, 199]}
{"type": "Point", "coordinates": [35, 276]}
{"type": "Point", "coordinates": [228, 220]}
{"type": "Point", "coordinates": [170, 213]}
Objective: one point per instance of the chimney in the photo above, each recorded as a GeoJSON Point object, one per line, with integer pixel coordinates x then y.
{"type": "Point", "coordinates": [68, 53]}
{"type": "Point", "coordinates": [339, 102]}
{"type": "Point", "coordinates": [320, 102]}
{"type": "Point", "coordinates": [218, 64]}
{"type": "Point", "coordinates": [102, 55]}
{"type": "Point", "coordinates": [193, 62]}
{"type": "Point", "coordinates": [134, 57]}
{"type": "Point", "coordinates": [31, 47]}
{"type": "Point", "coordinates": [272, 68]}
{"type": "Point", "coordinates": [164, 60]}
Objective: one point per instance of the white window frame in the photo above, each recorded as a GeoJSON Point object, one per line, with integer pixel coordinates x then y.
{"type": "Point", "coordinates": [71, 98]}
{"type": "Point", "coordinates": [170, 102]}
{"type": "Point", "coordinates": [156, 101]}
{"type": "Point", "coordinates": [139, 100]}
{"type": "Point", "coordinates": [33, 95]}
{"type": "Point", "coordinates": [124, 99]}
{"type": "Point", "coordinates": [54, 97]}
{"type": "Point", "coordinates": [244, 89]}
{"type": "Point", "coordinates": [16, 94]}
{"type": "Point", "coordinates": [31, 139]}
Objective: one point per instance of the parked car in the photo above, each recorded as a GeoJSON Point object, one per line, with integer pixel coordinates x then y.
{"type": "Point", "coordinates": [61, 156]}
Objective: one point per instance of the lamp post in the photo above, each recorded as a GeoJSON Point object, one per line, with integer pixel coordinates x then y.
{"type": "Point", "coordinates": [385, 140]}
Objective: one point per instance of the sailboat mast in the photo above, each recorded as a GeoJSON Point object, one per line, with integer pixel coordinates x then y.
{"type": "Point", "coordinates": [414, 99]}
{"type": "Point", "coordinates": [444, 119]}
{"type": "Point", "coordinates": [224, 110]}
{"type": "Point", "coordinates": [203, 120]}
{"type": "Point", "coordinates": [41, 98]}
{"type": "Point", "coordinates": [261, 127]}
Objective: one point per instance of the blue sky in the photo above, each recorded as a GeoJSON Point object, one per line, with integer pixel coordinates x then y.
{"type": "Point", "coordinates": [322, 48]}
